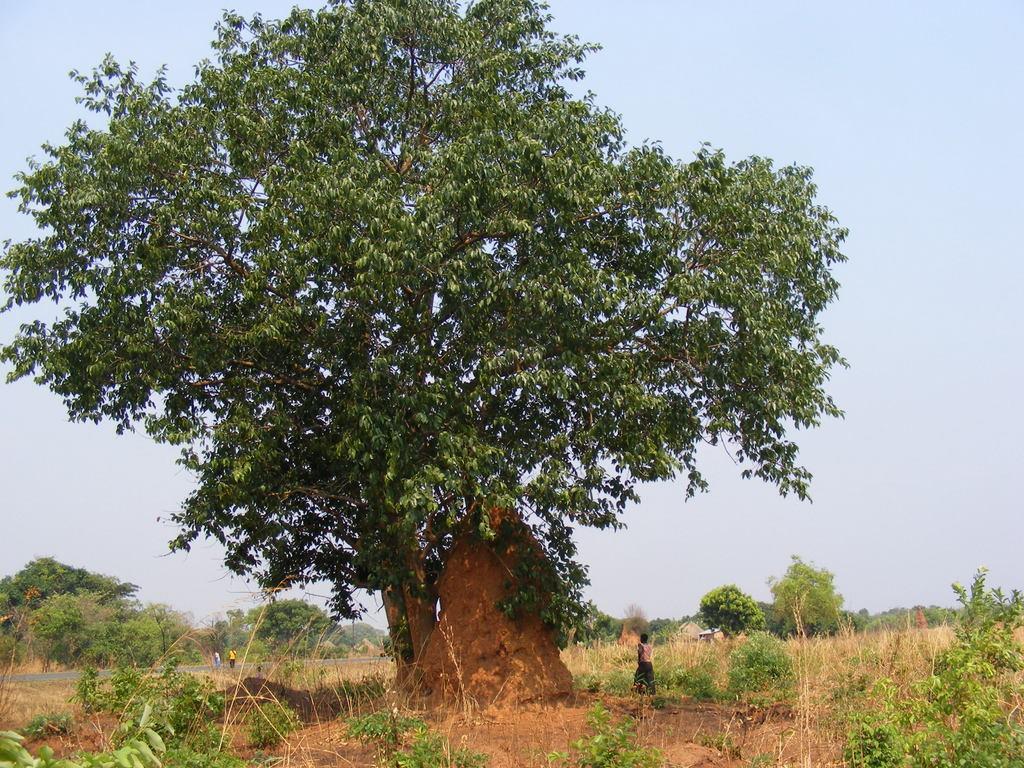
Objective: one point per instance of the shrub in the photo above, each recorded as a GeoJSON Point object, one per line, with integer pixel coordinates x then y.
{"type": "Point", "coordinates": [697, 682]}
{"type": "Point", "coordinates": [126, 685]}
{"type": "Point", "coordinates": [431, 750]}
{"type": "Point", "coordinates": [611, 745]}
{"type": "Point", "coordinates": [388, 732]}
{"type": "Point", "coordinates": [182, 705]}
{"type": "Point", "coordinates": [139, 752]}
{"type": "Point", "coordinates": [188, 703]}
{"type": "Point", "coordinates": [187, 757]}
{"type": "Point", "coordinates": [88, 692]}
{"type": "Point", "coordinates": [722, 742]}
{"type": "Point", "coordinates": [760, 664]}
{"type": "Point", "coordinates": [967, 711]}
{"type": "Point", "coordinates": [269, 723]}
{"type": "Point", "coordinates": [48, 724]}
{"type": "Point", "coordinates": [874, 745]}
{"type": "Point", "coordinates": [364, 692]}
{"type": "Point", "coordinates": [384, 731]}
{"type": "Point", "coordinates": [618, 683]}
{"type": "Point", "coordinates": [587, 682]}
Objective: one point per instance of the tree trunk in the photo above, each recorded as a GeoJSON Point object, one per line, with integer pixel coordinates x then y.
{"type": "Point", "coordinates": [411, 620]}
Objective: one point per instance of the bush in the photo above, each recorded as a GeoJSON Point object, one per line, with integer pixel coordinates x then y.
{"type": "Point", "coordinates": [618, 683]}
{"type": "Point", "coordinates": [269, 723]}
{"type": "Point", "coordinates": [141, 751]}
{"type": "Point", "coordinates": [431, 750]}
{"type": "Point", "coordinates": [364, 692]}
{"type": "Point", "coordinates": [49, 724]}
{"type": "Point", "coordinates": [967, 711]}
{"type": "Point", "coordinates": [188, 703]}
{"type": "Point", "coordinates": [722, 742]}
{"type": "Point", "coordinates": [88, 691]}
{"type": "Point", "coordinates": [588, 682]}
{"type": "Point", "coordinates": [182, 706]}
{"type": "Point", "coordinates": [612, 745]}
{"type": "Point", "coordinates": [388, 732]}
{"type": "Point", "coordinates": [760, 664]}
{"type": "Point", "coordinates": [697, 682]}
{"type": "Point", "coordinates": [187, 757]}
{"type": "Point", "coordinates": [384, 731]}
{"type": "Point", "coordinates": [874, 745]}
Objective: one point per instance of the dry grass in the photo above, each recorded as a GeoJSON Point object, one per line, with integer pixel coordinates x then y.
{"type": "Point", "coordinates": [26, 700]}
{"type": "Point", "coordinates": [833, 676]}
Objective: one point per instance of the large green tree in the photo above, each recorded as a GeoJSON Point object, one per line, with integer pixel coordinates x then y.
{"type": "Point", "coordinates": [377, 270]}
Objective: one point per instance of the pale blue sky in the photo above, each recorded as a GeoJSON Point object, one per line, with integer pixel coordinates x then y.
{"type": "Point", "coordinates": [911, 114]}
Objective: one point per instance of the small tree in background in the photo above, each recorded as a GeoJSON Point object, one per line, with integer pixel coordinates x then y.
{"type": "Point", "coordinates": [806, 600]}
{"type": "Point", "coordinates": [290, 622]}
{"type": "Point", "coordinates": [731, 610]}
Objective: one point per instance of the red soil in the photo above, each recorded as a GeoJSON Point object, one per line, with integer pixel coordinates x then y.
{"type": "Point", "coordinates": [477, 656]}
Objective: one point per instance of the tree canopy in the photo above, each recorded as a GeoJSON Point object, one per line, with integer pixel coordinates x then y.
{"type": "Point", "coordinates": [291, 621]}
{"type": "Point", "coordinates": [377, 270]}
{"type": "Point", "coordinates": [731, 610]}
{"type": "Point", "coordinates": [61, 614]}
{"type": "Point", "coordinates": [806, 600]}
{"type": "Point", "coordinates": [45, 577]}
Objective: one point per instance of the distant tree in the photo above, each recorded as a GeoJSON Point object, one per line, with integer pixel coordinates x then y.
{"type": "Point", "coordinates": [773, 623]}
{"type": "Point", "coordinates": [168, 625]}
{"type": "Point", "coordinates": [663, 629]}
{"type": "Point", "coordinates": [596, 626]}
{"type": "Point", "coordinates": [63, 626]}
{"type": "Point", "coordinates": [348, 636]}
{"type": "Point", "coordinates": [806, 600]}
{"type": "Point", "coordinates": [731, 610]}
{"type": "Point", "coordinates": [71, 616]}
{"type": "Point", "coordinates": [223, 633]}
{"type": "Point", "coordinates": [44, 577]}
{"type": "Point", "coordinates": [86, 628]}
{"type": "Point", "coordinates": [904, 618]}
{"type": "Point", "coordinates": [290, 623]}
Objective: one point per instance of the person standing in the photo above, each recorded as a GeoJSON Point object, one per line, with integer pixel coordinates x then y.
{"type": "Point", "coordinates": [643, 680]}
{"type": "Point", "coordinates": [216, 660]}
{"type": "Point", "coordinates": [231, 658]}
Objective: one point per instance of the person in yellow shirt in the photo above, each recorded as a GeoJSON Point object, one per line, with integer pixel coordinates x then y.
{"type": "Point", "coordinates": [231, 658]}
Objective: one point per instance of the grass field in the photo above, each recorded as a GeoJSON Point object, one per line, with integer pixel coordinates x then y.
{"type": "Point", "coordinates": [696, 718]}
{"type": "Point", "coordinates": [693, 720]}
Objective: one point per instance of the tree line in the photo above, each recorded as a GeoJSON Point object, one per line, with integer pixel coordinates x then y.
{"type": "Point", "coordinates": [805, 602]}
{"type": "Point", "coordinates": [61, 615]}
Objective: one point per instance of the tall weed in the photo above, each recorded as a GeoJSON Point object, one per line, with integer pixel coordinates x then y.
{"type": "Point", "coordinates": [968, 710]}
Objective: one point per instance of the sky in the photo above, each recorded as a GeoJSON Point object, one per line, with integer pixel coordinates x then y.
{"type": "Point", "coordinates": [910, 113]}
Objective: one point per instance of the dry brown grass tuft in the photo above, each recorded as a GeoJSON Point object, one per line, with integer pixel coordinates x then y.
{"type": "Point", "coordinates": [26, 700]}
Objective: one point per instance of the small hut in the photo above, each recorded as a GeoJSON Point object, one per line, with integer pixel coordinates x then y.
{"type": "Point", "coordinates": [689, 631]}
